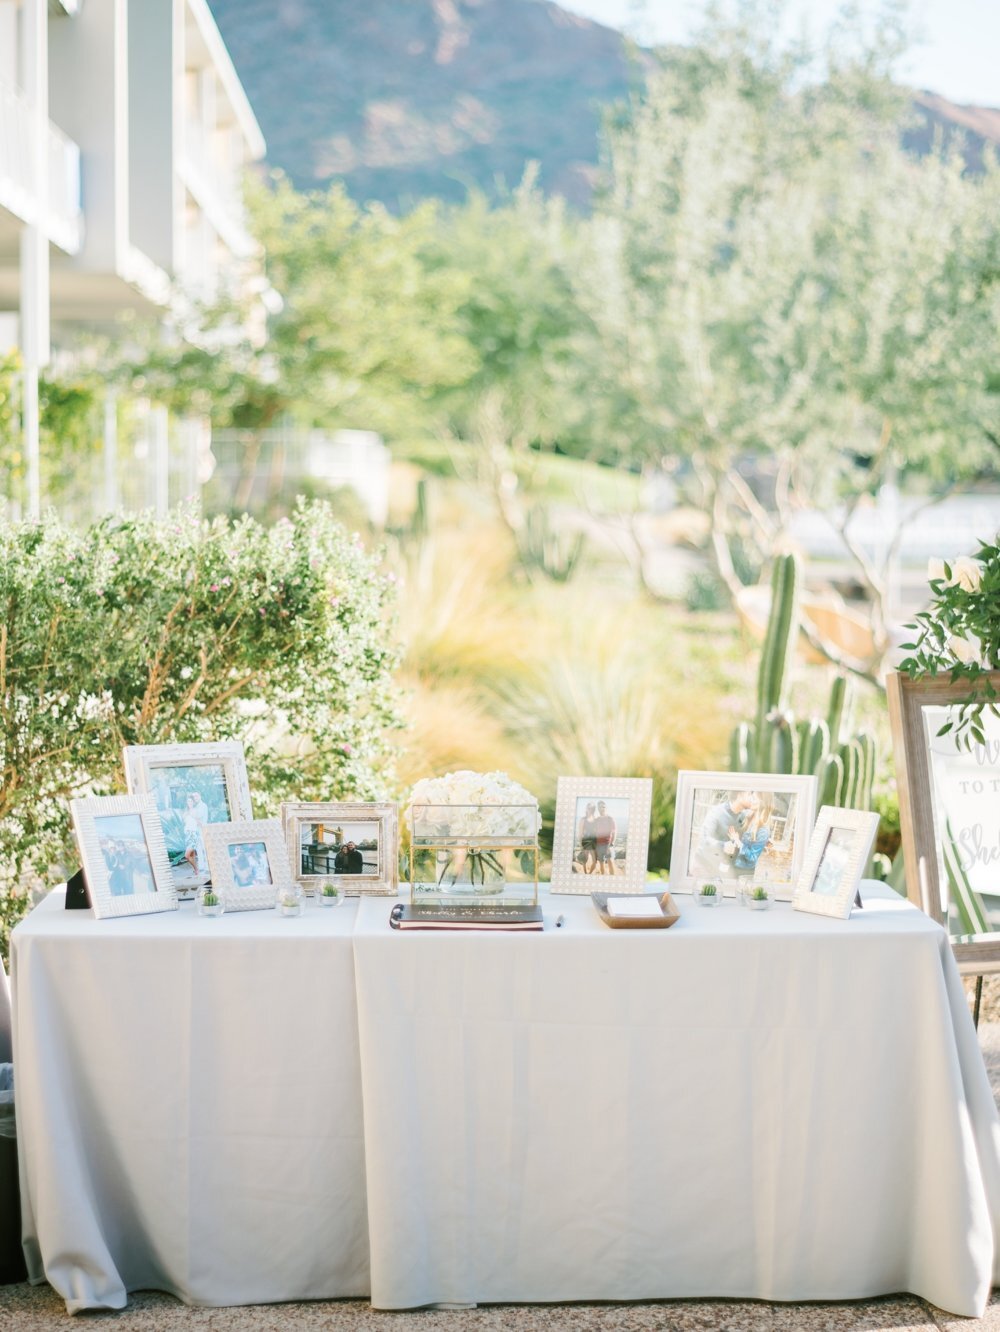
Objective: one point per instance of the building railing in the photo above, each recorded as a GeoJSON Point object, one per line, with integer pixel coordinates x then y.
{"type": "Point", "coordinates": [19, 187]}
{"type": "Point", "coordinates": [217, 186]}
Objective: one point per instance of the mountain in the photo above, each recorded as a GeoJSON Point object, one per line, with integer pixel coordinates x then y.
{"type": "Point", "coordinates": [938, 119]}
{"type": "Point", "coordinates": [408, 98]}
{"type": "Point", "coordinates": [405, 99]}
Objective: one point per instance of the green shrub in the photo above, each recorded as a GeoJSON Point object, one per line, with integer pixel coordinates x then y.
{"type": "Point", "coordinates": [153, 631]}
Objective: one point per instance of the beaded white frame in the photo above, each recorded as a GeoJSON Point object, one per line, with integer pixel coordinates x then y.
{"type": "Point", "coordinates": [638, 791]}
{"type": "Point", "coordinates": [219, 837]}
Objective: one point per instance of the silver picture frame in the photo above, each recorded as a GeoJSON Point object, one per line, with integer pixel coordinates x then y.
{"type": "Point", "coordinates": [314, 861]}
{"type": "Point", "coordinates": [124, 855]}
{"type": "Point", "coordinates": [740, 827]}
{"type": "Point", "coordinates": [193, 785]}
{"type": "Point", "coordinates": [616, 863]}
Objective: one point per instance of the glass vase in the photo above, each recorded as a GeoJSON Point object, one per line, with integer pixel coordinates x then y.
{"type": "Point", "coordinates": [329, 895]}
{"type": "Point", "coordinates": [465, 853]}
{"type": "Point", "coordinates": [288, 900]}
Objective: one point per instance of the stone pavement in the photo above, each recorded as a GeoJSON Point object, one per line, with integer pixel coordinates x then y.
{"type": "Point", "coordinates": [39, 1309]}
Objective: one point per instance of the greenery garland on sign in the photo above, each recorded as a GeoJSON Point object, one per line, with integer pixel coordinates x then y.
{"type": "Point", "coordinates": [959, 635]}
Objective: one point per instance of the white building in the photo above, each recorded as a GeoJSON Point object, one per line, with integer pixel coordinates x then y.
{"type": "Point", "coordinates": [124, 136]}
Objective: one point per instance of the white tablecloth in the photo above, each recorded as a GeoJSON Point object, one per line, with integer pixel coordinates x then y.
{"type": "Point", "coordinates": [768, 1105]}
{"type": "Point", "coordinates": [189, 1105]}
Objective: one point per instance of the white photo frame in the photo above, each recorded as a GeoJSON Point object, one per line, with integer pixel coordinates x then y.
{"type": "Point", "coordinates": [248, 862]}
{"type": "Point", "coordinates": [322, 835]}
{"type": "Point", "coordinates": [740, 827]}
{"type": "Point", "coordinates": [124, 855]}
{"type": "Point", "coordinates": [835, 860]}
{"type": "Point", "coordinates": [193, 785]}
{"type": "Point", "coordinates": [584, 860]}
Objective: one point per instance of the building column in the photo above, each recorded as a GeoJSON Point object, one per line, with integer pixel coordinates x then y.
{"type": "Point", "coordinates": [34, 296]}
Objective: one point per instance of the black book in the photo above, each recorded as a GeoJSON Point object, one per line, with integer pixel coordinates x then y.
{"type": "Point", "coordinates": [432, 916]}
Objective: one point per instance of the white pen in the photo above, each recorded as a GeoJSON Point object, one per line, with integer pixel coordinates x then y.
{"type": "Point", "coordinates": [560, 921]}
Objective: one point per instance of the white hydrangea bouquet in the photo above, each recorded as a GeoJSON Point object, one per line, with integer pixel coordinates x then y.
{"type": "Point", "coordinates": [959, 635]}
{"type": "Point", "coordinates": [469, 818]}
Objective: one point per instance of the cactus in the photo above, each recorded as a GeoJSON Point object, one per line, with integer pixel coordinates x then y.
{"type": "Point", "coordinates": [775, 742]}
{"type": "Point", "coordinates": [782, 631]}
{"type": "Point", "coordinates": [540, 547]}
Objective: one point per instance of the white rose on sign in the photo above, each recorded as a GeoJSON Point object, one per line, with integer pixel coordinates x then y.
{"type": "Point", "coordinates": [966, 573]}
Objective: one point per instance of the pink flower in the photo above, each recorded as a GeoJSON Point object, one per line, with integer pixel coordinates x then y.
{"type": "Point", "coordinates": [346, 750]}
{"type": "Point", "coordinates": [214, 587]}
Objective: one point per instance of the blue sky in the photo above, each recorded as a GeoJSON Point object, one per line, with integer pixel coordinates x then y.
{"type": "Point", "coordinates": [957, 52]}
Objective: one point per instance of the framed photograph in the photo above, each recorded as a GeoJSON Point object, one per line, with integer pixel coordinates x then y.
{"type": "Point", "coordinates": [835, 860]}
{"type": "Point", "coordinates": [124, 855]}
{"type": "Point", "coordinates": [248, 862]}
{"type": "Point", "coordinates": [736, 828]}
{"type": "Point", "coordinates": [601, 840]}
{"type": "Point", "coordinates": [355, 846]}
{"type": "Point", "coordinates": [193, 786]}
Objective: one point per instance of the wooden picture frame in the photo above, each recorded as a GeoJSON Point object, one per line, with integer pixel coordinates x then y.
{"type": "Point", "coordinates": [838, 851]}
{"type": "Point", "coordinates": [193, 785]}
{"type": "Point", "coordinates": [124, 855]}
{"type": "Point", "coordinates": [249, 863]}
{"type": "Point", "coordinates": [921, 824]}
{"type": "Point", "coordinates": [616, 861]}
{"type": "Point", "coordinates": [314, 863]}
{"type": "Point", "coordinates": [710, 804]}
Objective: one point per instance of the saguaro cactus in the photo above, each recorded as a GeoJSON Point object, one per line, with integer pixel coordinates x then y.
{"type": "Point", "coordinates": [844, 762]}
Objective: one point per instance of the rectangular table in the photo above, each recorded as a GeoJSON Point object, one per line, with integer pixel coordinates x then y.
{"type": "Point", "coordinates": [189, 1105]}
{"type": "Point", "coordinates": [256, 1109]}
{"type": "Point", "coordinates": [770, 1105]}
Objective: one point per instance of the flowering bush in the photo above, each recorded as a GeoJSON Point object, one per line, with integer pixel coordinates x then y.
{"type": "Point", "coordinates": [456, 805]}
{"type": "Point", "coordinates": [959, 634]}
{"type": "Point", "coordinates": [148, 631]}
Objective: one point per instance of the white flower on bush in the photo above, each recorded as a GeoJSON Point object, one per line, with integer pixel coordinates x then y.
{"type": "Point", "coordinates": [966, 573]}
{"type": "Point", "coordinates": [459, 805]}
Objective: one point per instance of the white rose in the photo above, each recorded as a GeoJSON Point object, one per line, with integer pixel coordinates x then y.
{"type": "Point", "coordinates": [935, 570]}
{"type": "Point", "coordinates": [967, 574]}
{"type": "Point", "coordinates": [967, 649]}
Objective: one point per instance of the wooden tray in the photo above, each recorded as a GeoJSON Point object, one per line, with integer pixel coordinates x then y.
{"type": "Point", "coordinates": [670, 913]}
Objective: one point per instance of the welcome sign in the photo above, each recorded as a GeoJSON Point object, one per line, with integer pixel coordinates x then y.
{"type": "Point", "coordinates": [966, 792]}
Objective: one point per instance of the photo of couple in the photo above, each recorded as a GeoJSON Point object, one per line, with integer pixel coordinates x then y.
{"type": "Point", "coordinates": [188, 797]}
{"type": "Point", "coordinates": [834, 861]}
{"type": "Point", "coordinates": [126, 855]}
{"type": "Point", "coordinates": [600, 841]}
{"type": "Point", "coordinates": [345, 848]}
{"type": "Point", "coordinates": [736, 834]}
{"type": "Point", "coordinates": [250, 864]}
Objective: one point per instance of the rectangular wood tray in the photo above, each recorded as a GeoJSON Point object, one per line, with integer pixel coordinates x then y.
{"type": "Point", "coordinates": [670, 913]}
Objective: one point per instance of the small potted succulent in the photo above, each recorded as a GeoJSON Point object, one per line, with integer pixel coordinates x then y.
{"type": "Point", "coordinates": [288, 900]}
{"type": "Point", "coordinates": [210, 902]}
{"type": "Point", "coordinates": [757, 897]}
{"type": "Point", "coordinates": [709, 894]}
{"type": "Point", "coordinates": [330, 894]}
